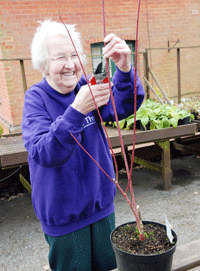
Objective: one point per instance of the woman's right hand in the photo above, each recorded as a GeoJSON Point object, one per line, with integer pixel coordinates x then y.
{"type": "Point", "coordinates": [84, 101]}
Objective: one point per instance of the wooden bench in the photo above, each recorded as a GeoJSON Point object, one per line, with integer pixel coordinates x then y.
{"type": "Point", "coordinates": [161, 138]}
{"type": "Point", "coordinates": [198, 124]}
{"type": "Point", "coordinates": [187, 257]}
{"type": "Point", "coordinates": [13, 153]}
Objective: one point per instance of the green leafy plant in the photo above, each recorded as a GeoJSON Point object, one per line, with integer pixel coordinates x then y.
{"type": "Point", "coordinates": [191, 104]}
{"type": "Point", "coordinates": [157, 115]}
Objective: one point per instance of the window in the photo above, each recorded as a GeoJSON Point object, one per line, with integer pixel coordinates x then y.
{"type": "Point", "coordinates": [97, 56]}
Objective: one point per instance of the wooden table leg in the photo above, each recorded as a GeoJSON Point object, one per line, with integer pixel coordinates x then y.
{"type": "Point", "coordinates": [166, 163]}
{"type": "Point", "coordinates": [25, 183]}
{"type": "Point", "coordinates": [165, 167]}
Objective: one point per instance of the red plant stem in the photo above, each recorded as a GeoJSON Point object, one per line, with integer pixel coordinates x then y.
{"type": "Point", "coordinates": [114, 181]}
{"type": "Point", "coordinates": [113, 102]}
{"type": "Point", "coordinates": [133, 207]}
{"type": "Point", "coordinates": [132, 204]}
{"type": "Point", "coordinates": [130, 185]}
{"type": "Point", "coordinates": [135, 104]}
{"type": "Point", "coordinates": [135, 98]}
{"type": "Point", "coordinates": [92, 157]}
{"type": "Point", "coordinates": [108, 139]}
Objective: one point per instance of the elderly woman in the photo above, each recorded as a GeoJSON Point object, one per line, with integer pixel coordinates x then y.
{"type": "Point", "coordinates": [72, 197]}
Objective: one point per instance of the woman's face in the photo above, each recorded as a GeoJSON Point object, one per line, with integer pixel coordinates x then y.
{"type": "Point", "coordinates": [64, 67]}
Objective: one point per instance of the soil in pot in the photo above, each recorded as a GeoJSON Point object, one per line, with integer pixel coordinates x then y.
{"type": "Point", "coordinates": [126, 238]}
{"type": "Point", "coordinates": [155, 253]}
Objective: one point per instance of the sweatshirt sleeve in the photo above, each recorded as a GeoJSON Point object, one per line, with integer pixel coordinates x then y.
{"type": "Point", "coordinates": [49, 143]}
{"type": "Point", "coordinates": [123, 92]}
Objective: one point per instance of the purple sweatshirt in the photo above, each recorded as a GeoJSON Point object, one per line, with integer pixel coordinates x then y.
{"type": "Point", "coordinates": [69, 191]}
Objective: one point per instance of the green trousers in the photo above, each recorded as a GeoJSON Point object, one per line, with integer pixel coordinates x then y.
{"type": "Point", "coordinates": [88, 249]}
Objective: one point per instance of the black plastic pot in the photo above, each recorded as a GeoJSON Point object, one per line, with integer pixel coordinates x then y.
{"type": "Point", "coordinates": [196, 114]}
{"type": "Point", "coordinates": [141, 127]}
{"type": "Point", "coordinates": [132, 262]}
{"type": "Point", "coordinates": [184, 121]}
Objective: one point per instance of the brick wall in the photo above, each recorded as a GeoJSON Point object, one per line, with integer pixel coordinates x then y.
{"type": "Point", "coordinates": [161, 21]}
{"type": "Point", "coordinates": [5, 110]}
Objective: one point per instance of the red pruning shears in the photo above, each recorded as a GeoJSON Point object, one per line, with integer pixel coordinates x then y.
{"type": "Point", "coordinates": [99, 76]}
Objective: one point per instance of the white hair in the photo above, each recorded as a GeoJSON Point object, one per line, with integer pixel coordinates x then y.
{"type": "Point", "coordinates": [39, 46]}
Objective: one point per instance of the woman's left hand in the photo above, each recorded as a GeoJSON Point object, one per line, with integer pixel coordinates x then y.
{"type": "Point", "coordinates": [118, 51]}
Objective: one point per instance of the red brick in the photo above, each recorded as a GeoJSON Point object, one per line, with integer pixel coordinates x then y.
{"type": "Point", "coordinates": [167, 21]}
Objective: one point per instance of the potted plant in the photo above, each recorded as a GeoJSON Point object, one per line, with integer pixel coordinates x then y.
{"type": "Point", "coordinates": [155, 252]}
{"type": "Point", "coordinates": [140, 231]}
{"type": "Point", "coordinates": [144, 245]}
{"type": "Point", "coordinates": [190, 104]}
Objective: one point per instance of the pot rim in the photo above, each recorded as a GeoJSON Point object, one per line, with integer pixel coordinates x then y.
{"type": "Point", "coordinates": [172, 249]}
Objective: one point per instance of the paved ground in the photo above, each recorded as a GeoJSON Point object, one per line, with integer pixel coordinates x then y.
{"type": "Point", "coordinates": [22, 245]}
